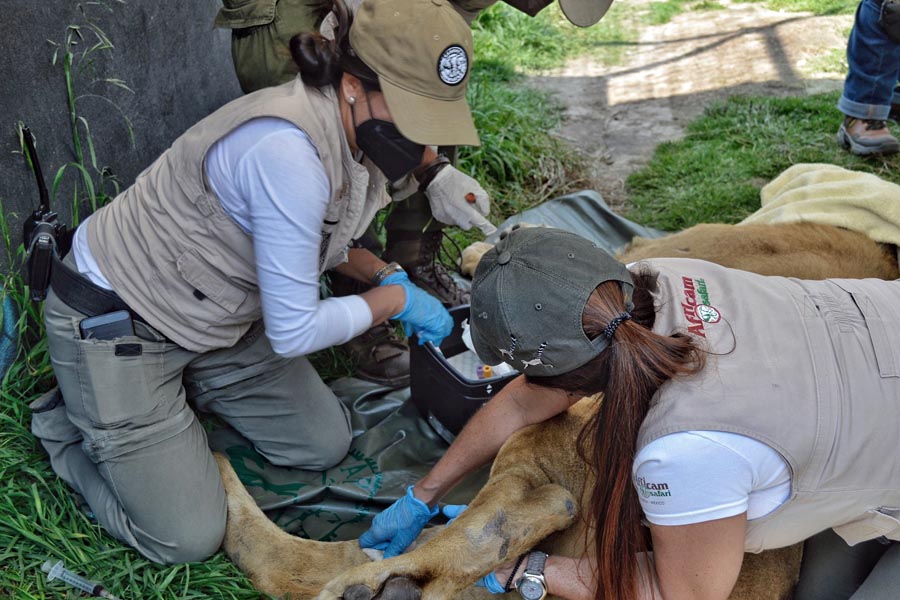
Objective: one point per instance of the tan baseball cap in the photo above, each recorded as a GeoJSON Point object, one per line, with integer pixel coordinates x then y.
{"type": "Point", "coordinates": [584, 13]}
{"type": "Point", "coordinates": [421, 51]}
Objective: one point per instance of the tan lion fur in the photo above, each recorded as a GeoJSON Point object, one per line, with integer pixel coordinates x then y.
{"type": "Point", "coordinates": [532, 498]}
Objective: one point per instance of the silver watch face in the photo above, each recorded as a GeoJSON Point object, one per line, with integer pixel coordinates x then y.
{"type": "Point", "coordinates": [531, 588]}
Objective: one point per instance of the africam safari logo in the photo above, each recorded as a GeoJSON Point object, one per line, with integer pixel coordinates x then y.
{"type": "Point", "coordinates": [696, 306]}
{"type": "Point", "coordinates": [649, 489]}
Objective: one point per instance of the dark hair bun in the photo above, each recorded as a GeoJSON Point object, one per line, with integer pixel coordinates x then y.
{"type": "Point", "coordinates": [318, 59]}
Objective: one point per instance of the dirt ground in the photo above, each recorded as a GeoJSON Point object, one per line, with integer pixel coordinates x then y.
{"type": "Point", "coordinates": [617, 115]}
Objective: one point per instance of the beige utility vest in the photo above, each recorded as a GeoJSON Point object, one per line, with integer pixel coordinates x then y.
{"type": "Point", "coordinates": [176, 258]}
{"type": "Point", "coordinates": [811, 368]}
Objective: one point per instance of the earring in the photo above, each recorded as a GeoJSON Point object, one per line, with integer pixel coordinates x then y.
{"type": "Point", "coordinates": [352, 99]}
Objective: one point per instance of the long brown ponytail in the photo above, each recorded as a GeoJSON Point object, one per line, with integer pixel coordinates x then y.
{"type": "Point", "coordinates": [628, 373]}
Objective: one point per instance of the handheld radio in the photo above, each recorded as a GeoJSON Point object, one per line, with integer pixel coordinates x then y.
{"type": "Point", "coordinates": [44, 235]}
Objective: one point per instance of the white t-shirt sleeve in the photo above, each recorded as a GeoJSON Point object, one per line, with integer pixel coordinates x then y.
{"type": "Point", "coordinates": [283, 183]}
{"type": "Point", "coordinates": [688, 478]}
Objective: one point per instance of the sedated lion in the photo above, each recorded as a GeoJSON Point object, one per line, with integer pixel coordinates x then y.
{"type": "Point", "coordinates": [532, 498]}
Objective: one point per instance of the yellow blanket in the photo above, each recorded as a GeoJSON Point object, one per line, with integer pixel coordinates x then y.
{"type": "Point", "coordinates": [831, 195]}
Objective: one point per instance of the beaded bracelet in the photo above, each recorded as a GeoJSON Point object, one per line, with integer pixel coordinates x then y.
{"type": "Point", "coordinates": [507, 587]}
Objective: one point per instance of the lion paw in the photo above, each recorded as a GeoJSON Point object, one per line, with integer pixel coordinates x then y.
{"type": "Point", "coordinates": [396, 587]}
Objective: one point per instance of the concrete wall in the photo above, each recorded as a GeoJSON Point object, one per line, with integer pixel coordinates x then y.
{"type": "Point", "coordinates": [165, 50]}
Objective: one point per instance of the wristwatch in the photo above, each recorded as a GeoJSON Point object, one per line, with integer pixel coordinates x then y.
{"type": "Point", "coordinates": [531, 585]}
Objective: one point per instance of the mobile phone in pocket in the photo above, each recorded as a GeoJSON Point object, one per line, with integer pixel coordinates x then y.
{"type": "Point", "coordinates": [108, 326]}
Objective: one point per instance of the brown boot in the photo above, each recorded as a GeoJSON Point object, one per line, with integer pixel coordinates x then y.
{"type": "Point", "coordinates": [379, 354]}
{"type": "Point", "coordinates": [865, 137]}
{"type": "Point", "coordinates": [419, 255]}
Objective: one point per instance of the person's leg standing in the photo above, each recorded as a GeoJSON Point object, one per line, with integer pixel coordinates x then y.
{"type": "Point", "coordinates": [414, 239]}
{"type": "Point", "coordinates": [873, 60]}
{"type": "Point", "coordinates": [125, 439]}
{"type": "Point", "coordinates": [280, 404]}
{"type": "Point", "coordinates": [261, 31]}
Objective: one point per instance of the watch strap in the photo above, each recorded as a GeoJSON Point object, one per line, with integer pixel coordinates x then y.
{"type": "Point", "coordinates": [536, 562]}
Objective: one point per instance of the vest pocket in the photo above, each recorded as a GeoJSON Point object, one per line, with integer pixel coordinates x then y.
{"type": "Point", "coordinates": [883, 329]}
{"type": "Point", "coordinates": [876, 522]}
{"type": "Point", "coordinates": [240, 14]}
{"type": "Point", "coordinates": [209, 282]}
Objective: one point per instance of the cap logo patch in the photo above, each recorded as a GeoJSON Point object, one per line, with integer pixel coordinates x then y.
{"type": "Point", "coordinates": [453, 65]}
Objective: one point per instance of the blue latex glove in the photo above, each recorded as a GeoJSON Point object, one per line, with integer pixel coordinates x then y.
{"type": "Point", "coordinates": [451, 511]}
{"type": "Point", "coordinates": [490, 583]}
{"type": "Point", "coordinates": [398, 525]}
{"type": "Point", "coordinates": [422, 314]}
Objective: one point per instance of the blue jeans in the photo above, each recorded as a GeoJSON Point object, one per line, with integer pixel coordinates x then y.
{"type": "Point", "coordinates": [874, 61]}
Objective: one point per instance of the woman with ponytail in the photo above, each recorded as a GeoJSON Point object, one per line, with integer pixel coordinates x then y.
{"type": "Point", "coordinates": [739, 412]}
{"type": "Point", "coordinates": [204, 276]}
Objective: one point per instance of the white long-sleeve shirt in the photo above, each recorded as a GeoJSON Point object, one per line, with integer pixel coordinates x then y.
{"type": "Point", "coordinates": [270, 180]}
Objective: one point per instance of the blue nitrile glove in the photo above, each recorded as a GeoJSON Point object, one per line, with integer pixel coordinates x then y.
{"type": "Point", "coordinates": [490, 583]}
{"type": "Point", "coordinates": [451, 511]}
{"type": "Point", "coordinates": [422, 314]}
{"type": "Point", "coordinates": [398, 525]}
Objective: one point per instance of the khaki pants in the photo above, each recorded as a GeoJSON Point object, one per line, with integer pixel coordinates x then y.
{"type": "Point", "coordinates": [127, 441]}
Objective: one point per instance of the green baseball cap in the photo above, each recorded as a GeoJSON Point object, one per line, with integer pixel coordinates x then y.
{"type": "Point", "coordinates": [421, 51]}
{"type": "Point", "coordinates": [528, 296]}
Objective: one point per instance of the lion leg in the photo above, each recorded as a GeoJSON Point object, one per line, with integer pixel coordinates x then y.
{"type": "Point", "coordinates": [771, 574]}
{"type": "Point", "coordinates": [276, 562]}
{"type": "Point", "coordinates": [507, 518]}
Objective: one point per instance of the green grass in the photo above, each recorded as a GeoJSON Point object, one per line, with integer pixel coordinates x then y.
{"type": "Point", "coordinates": [714, 174]}
{"type": "Point", "coordinates": [504, 34]}
{"type": "Point", "coordinates": [817, 7]}
{"type": "Point", "coordinates": [659, 13]}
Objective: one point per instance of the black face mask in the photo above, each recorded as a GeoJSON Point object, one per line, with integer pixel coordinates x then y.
{"type": "Point", "coordinates": [385, 146]}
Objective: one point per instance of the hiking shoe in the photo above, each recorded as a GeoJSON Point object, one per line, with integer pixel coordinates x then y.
{"type": "Point", "coordinates": [865, 137]}
{"type": "Point", "coordinates": [419, 255]}
{"type": "Point", "coordinates": [380, 356]}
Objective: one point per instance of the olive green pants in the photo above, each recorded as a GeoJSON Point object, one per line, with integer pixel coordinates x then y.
{"type": "Point", "coordinates": [126, 439]}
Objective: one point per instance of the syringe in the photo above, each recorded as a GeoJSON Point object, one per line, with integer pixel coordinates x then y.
{"type": "Point", "coordinates": [59, 571]}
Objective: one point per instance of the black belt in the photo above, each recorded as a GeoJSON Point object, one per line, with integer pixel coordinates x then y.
{"type": "Point", "coordinates": [80, 293]}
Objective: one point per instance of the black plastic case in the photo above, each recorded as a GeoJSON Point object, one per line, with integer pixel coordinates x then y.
{"type": "Point", "coordinates": [445, 397]}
